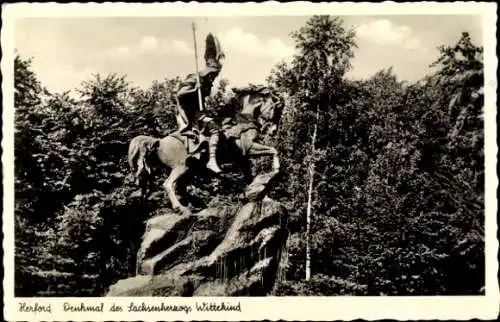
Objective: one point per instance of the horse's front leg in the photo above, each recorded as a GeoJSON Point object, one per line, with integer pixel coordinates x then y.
{"type": "Point", "coordinates": [259, 185]}
{"type": "Point", "coordinates": [245, 166]}
{"type": "Point", "coordinates": [258, 149]}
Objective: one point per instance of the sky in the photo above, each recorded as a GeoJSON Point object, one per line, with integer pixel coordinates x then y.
{"type": "Point", "coordinates": [66, 51]}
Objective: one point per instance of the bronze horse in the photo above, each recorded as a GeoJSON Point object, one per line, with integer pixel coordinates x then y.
{"type": "Point", "coordinates": [256, 112]}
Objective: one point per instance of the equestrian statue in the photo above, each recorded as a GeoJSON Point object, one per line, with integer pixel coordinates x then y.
{"type": "Point", "coordinates": [255, 111]}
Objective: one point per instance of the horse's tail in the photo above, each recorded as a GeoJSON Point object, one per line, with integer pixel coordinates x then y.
{"type": "Point", "coordinates": [140, 148]}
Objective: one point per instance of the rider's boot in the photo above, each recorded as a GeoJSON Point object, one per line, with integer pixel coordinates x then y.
{"type": "Point", "coordinates": [185, 130]}
{"type": "Point", "coordinates": [212, 150]}
{"type": "Point", "coordinates": [190, 132]}
{"type": "Point", "coordinates": [183, 125]}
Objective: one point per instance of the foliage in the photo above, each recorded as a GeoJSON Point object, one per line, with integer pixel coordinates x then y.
{"type": "Point", "coordinates": [398, 202]}
{"type": "Point", "coordinates": [72, 179]}
{"type": "Point", "coordinates": [27, 88]}
{"type": "Point", "coordinates": [319, 285]}
{"type": "Point", "coordinates": [399, 182]}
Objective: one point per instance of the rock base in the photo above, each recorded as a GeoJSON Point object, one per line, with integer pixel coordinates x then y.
{"type": "Point", "coordinates": [226, 250]}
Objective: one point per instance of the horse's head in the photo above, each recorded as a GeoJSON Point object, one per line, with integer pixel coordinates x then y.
{"type": "Point", "coordinates": [264, 105]}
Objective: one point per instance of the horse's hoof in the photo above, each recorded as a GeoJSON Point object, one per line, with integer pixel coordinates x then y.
{"type": "Point", "coordinates": [254, 192]}
{"type": "Point", "coordinates": [274, 173]}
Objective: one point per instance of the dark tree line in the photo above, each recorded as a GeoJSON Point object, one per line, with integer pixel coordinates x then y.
{"type": "Point", "coordinates": [398, 204]}
{"type": "Point", "coordinates": [397, 198]}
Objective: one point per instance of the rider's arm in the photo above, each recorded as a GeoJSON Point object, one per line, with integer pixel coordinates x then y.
{"type": "Point", "coordinates": [185, 90]}
{"type": "Point", "coordinates": [187, 87]}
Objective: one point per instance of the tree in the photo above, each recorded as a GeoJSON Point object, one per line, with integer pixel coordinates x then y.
{"type": "Point", "coordinates": [156, 107]}
{"type": "Point", "coordinates": [324, 49]}
{"type": "Point", "coordinates": [398, 183]}
{"type": "Point", "coordinates": [106, 95]}
{"type": "Point", "coordinates": [27, 88]}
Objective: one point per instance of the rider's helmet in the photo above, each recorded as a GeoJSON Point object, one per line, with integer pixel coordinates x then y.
{"type": "Point", "coordinates": [214, 56]}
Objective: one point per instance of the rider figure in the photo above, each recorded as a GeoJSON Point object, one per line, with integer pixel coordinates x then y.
{"type": "Point", "coordinates": [190, 113]}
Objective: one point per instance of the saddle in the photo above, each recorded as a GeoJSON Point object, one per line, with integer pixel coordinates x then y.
{"type": "Point", "coordinates": [194, 141]}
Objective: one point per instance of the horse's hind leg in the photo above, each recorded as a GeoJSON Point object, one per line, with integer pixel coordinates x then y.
{"type": "Point", "coordinates": [171, 185]}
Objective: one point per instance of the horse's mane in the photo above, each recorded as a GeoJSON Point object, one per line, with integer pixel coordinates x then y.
{"type": "Point", "coordinates": [234, 103]}
{"type": "Point", "coordinates": [251, 89]}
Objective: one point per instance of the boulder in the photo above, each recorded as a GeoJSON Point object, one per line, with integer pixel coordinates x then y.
{"type": "Point", "coordinates": [224, 250]}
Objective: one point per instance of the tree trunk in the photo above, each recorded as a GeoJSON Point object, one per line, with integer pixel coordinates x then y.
{"type": "Point", "coordinates": [309, 198]}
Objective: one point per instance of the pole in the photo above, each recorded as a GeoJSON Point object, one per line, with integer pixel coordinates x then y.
{"type": "Point", "coordinates": [200, 102]}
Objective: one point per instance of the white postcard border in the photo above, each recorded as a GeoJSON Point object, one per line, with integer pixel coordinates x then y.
{"type": "Point", "coordinates": [271, 308]}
